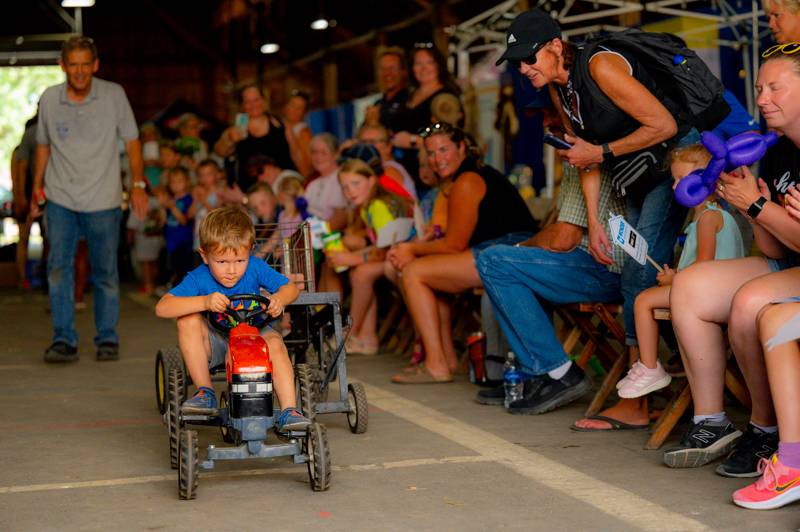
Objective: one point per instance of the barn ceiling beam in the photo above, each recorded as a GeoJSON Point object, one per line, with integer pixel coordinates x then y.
{"type": "Point", "coordinates": [62, 14]}
{"type": "Point", "coordinates": [349, 43]}
{"type": "Point", "coordinates": [187, 36]}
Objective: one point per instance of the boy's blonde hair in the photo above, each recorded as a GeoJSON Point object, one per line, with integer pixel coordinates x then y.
{"type": "Point", "coordinates": [693, 153]}
{"type": "Point", "coordinates": [226, 228]}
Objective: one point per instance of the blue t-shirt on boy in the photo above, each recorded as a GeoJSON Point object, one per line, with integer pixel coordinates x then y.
{"type": "Point", "coordinates": [200, 282]}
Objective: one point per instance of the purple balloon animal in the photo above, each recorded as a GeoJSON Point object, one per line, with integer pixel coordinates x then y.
{"type": "Point", "coordinates": [743, 149]}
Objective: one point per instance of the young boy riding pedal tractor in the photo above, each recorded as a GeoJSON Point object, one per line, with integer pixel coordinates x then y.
{"type": "Point", "coordinates": [254, 357]}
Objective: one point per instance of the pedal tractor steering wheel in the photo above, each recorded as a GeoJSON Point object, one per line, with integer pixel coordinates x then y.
{"type": "Point", "coordinates": [256, 316]}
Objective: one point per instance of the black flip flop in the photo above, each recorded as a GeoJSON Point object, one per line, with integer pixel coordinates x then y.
{"type": "Point", "coordinates": [615, 425]}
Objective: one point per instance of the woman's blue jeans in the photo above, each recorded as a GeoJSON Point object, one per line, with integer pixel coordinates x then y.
{"type": "Point", "coordinates": [101, 231]}
{"type": "Point", "coordinates": [658, 218]}
{"type": "Point", "coordinates": [519, 280]}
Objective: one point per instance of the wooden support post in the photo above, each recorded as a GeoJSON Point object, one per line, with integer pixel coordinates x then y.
{"type": "Point", "coordinates": [669, 417]}
{"type": "Point", "coordinates": [330, 83]}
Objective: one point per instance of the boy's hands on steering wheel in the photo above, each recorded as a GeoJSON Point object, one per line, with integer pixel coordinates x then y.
{"type": "Point", "coordinates": [275, 307]}
{"type": "Point", "coordinates": [217, 302]}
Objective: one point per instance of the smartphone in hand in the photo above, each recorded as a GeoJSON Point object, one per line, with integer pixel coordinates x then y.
{"type": "Point", "coordinates": [556, 142]}
{"type": "Point", "coordinates": [241, 122]}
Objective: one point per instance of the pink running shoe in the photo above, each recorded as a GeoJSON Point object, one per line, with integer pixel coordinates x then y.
{"type": "Point", "coordinates": [778, 486]}
{"type": "Point", "coordinates": [642, 380]}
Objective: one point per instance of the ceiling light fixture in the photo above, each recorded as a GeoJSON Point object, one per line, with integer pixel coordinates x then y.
{"type": "Point", "coordinates": [270, 48]}
{"type": "Point", "coordinates": [77, 3]}
{"type": "Point", "coordinates": [319, 24]}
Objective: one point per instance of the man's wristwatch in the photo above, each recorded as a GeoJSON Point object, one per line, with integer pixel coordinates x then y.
{"type": "Point", "coordinates": [757, 206]}
{"type": "Point", "coordinates": [139, 184]}
{"type": "Point", "coordinates": [607, 153]}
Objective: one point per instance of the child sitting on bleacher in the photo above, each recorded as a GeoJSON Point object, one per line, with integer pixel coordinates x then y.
{"type": "Point", "coordinates": [375, 208]}
{"type": "Point", "coordinates": [711, 235]}
{"type": "Point", "coordinates": [433, 204]}
{"type": "Point", "coordinates": [294, 207]}
{"type": "Point", "coordinates": [262, 204]}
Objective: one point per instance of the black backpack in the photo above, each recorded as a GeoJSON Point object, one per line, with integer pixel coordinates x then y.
{"type": "Point", "coordinates": [677, 70]}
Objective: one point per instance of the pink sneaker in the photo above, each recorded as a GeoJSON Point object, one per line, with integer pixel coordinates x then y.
{"type": "Point", "coordinates": [778, 486]}
{"type": "Point", "coordinates": [642, 380]}
{"type": "Point", "coordinates": [632, 373]}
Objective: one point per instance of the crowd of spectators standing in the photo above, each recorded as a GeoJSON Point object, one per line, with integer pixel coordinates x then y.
{"type": "Point", "coordinates": [411, 159]}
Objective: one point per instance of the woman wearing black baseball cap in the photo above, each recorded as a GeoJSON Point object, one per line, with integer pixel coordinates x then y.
{"type": "Point", "coordinates": [613, 114]}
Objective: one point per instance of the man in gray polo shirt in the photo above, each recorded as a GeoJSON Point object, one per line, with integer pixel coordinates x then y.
{"type": "Point", "coordinates": [78, 170]}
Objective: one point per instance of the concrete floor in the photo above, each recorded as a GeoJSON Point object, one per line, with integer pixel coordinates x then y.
{"type": "Point", "coordinates": [83, 448]}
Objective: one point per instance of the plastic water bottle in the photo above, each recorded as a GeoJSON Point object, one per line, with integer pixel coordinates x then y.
{"type": "Point", "coordinates": [512, 380]}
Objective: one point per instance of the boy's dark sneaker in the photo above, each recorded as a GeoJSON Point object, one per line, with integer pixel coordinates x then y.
{"type": "Point", "coordinates": [108, 351]}
{"type": "Point", "coordinates": [203, 402]}
{"type": "Point", "coordinates": [61, 352]}
{"type": "Point", "coordinates": [544, 393]}
{"type": "Point", "coordinates": [754, 445]}
{"type": "Point", "coordinates": [492, 396]}
{"type": "Point", "coordinates": [291, 419]}
{"type": "Point", "coordinates": [704, 442]}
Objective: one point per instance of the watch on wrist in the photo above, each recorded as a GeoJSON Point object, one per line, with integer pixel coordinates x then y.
{"type": "Point", "coordinates": [756, 207]}
{"type": "Point", "coordinates": [607, 153]}
{"type": "Point", "coordinates": [139, 184]}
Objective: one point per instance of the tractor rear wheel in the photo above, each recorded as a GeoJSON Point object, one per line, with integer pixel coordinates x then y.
{"type": "Point", "coordinates": [189, 465]}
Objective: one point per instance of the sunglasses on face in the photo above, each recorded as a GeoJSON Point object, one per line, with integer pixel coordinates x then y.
{"type": "Point", "coordinates": [530, 60]}
{"type": "Point", "coordinates": [790, 48]}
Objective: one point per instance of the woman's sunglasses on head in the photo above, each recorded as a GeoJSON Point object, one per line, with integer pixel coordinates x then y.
{"type": "Point", "coordinates": [438, 127]}
{"type": "Point", "coordinates": [789, 48]}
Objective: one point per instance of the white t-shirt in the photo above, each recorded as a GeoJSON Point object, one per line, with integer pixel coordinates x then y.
{"type": "Point", "coordinates": [324, 196]}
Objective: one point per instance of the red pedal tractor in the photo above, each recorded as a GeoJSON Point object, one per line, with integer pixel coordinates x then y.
{"type": "Point", "coordinates": [245, 411]}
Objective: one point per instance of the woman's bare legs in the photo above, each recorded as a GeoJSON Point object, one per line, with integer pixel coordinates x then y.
{"type": "Point", "coordinates": [743, 335]}
{"type": "Point", "coordinates": [422, 278]}
{"type": "Point", "coordinates": [446, 331]}
{"type": "Point", "coordinates": [783, 369]}
{"type": "Point", "coordinates": [700, 301]}
{"type": "Point", "coordinates": [363, 305]}
{"type": "Point", "coordinates": [646, 325]}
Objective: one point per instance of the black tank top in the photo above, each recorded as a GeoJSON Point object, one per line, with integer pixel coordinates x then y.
{"type": "Point", "coordinates": [594, 117]}
{"type": "Point", "coordinates": [273, 145]}
{"type": "Point", "coordinates": [502, 210]}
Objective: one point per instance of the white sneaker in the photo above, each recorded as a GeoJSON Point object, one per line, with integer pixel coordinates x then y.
{"type": "Point", "coordinates": [642, 380]}
{"type": "Point", "coordinates": [635, 370]}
